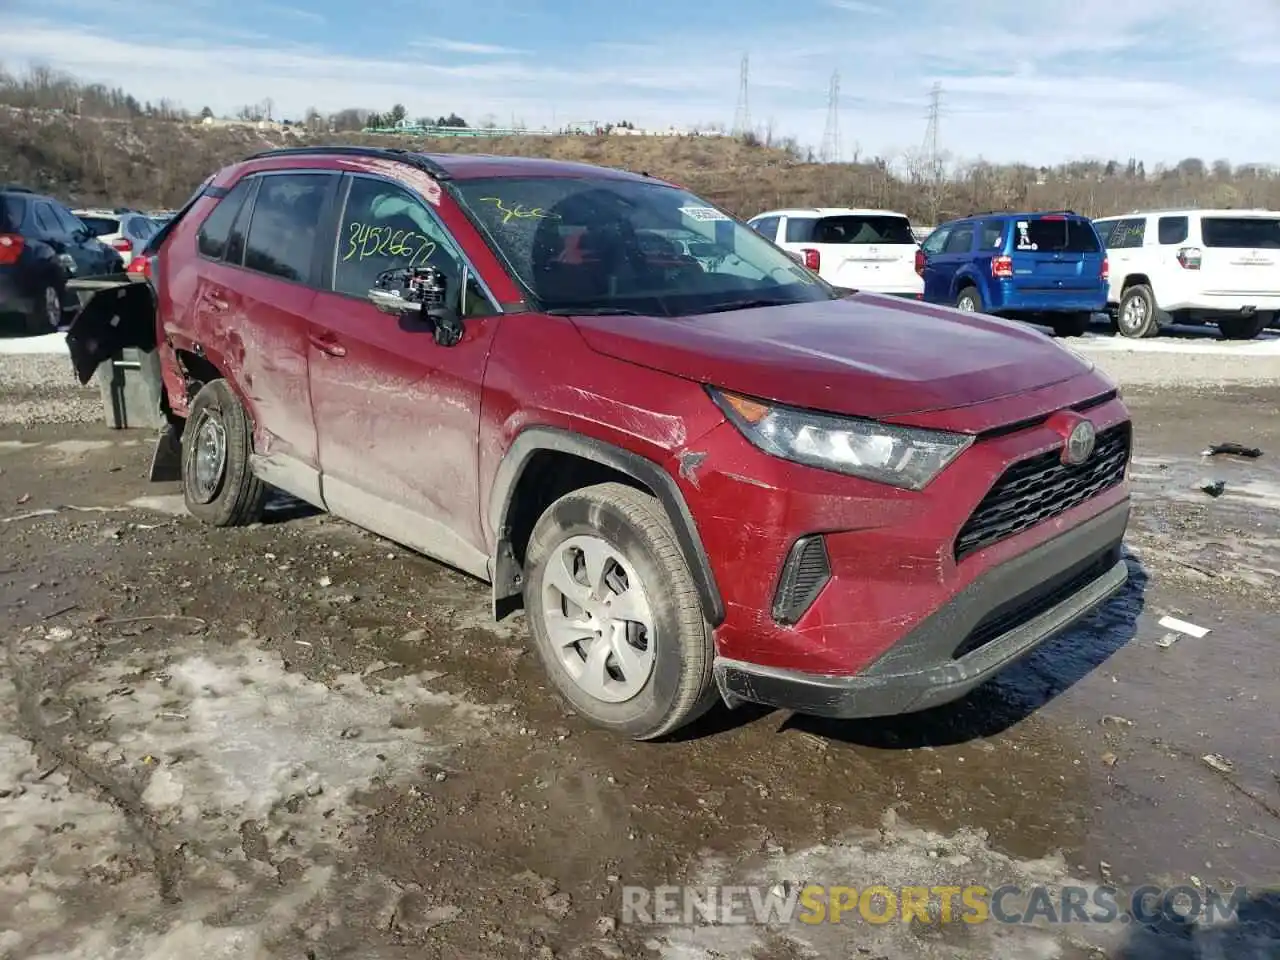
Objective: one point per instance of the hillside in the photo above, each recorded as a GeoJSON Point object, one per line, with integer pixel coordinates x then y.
{"type": "Point", "coordinates": [151, 162]}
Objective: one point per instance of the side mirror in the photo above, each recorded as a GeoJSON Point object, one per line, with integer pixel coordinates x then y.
{"type": "Point", "coordinates": [422, 291]}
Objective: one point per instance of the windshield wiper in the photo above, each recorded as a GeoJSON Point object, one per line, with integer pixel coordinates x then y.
{"type": "Point", "coordinates": [592, 312]}
{"type": "Point", "coordinates": [748, 305]}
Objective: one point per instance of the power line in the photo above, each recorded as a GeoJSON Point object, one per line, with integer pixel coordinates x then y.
{"type": "Point", "coordinates": [742, 115]}
{"type": "Point", "coordinates": [830, 152]}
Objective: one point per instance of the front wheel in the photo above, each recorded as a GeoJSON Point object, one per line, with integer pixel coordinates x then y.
{"type": "Point", "coordinates": [217, 483]}
{"type": "Point", "coordinates": [614, 613]}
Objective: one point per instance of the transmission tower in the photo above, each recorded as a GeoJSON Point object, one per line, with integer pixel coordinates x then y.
{"type": "Point", "coordinates": [931, 131]}
{"type": "Point", "coordinates": [742, 115]}
{"type": "Point", "coordinates": [932, 151]}
{"type": "Point", "coordinates": [830, 152]}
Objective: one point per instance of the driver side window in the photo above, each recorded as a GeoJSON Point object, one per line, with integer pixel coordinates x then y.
{"type": "Point", "coordinates": [936, 241]}
{"type": "Point", "coordinates": [385, 227]}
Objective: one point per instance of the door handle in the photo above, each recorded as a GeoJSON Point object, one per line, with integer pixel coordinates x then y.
{"type": "Point", "coordinates": [214, 300]}
{"type": "Point", "coordinates": [326, 343]}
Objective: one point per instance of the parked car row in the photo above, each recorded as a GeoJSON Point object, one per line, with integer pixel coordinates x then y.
{"type": "Point", "coordinates": [1055, 268]}
{"type": "Point", "coordinates": [42, 245]}
{"type": "Point", "coordinates": [704, 473]}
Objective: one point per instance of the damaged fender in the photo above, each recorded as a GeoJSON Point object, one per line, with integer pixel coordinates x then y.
{"type": "Point", "coordinates": [505, 572]}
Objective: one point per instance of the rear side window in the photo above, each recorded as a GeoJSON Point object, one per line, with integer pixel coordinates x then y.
{"type": "Point", "coordinates": [768, 227]}
{"type": "Point", "coordinates": [101, 226]}
{"type": "Point", "coordinates": [861, 230]}
{"type": "Point", "coordinates": [992, 235]}
{"type": "Point", "coordinates": [286, 223]}
{"type": "Point", "coordinates": [800, 229]}
{"type": "Point", "coordinates": [1056, 235]}
{"type": "Point", "coordinates": [211, 241]}
{"type": "Point", "coordinates": [1172, 230]}
{"type": "Point", "coordinates": [13, 210]}
{"type": "Point", "coordinates": [140, 228]}
{"type": "Point", "coordinates": [1241, 232]}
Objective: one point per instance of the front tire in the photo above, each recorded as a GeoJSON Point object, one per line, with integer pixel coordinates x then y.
{"type": "Point", "coordinates": [614, 612]}
{"type": "Point", "coordinates": [217, 483]}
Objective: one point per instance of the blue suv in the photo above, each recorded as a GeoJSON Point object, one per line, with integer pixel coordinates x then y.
{"type": "Point", "coordinates": [1049, 268]}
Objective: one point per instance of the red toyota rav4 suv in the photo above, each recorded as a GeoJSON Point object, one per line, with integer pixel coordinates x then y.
{"type": "Point", "coordinates": [702, 472]}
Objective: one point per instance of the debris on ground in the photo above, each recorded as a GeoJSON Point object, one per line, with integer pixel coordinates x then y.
{"type": "Point", "coordinates": [1232, 449]}
{"type": "Point", "coordinates": [1214, 488]}
{"type": "Point", "coordinates": [1218, 762]}
{"type": "Point", "coordinates": [1182, 626]}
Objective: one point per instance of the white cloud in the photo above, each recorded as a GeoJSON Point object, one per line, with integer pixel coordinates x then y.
{"type": "Point", "coordinates": [465, 47]}
{"type": "Point", "coordinates": [1154, 79]}
{"type": "Point", "coordinates": [857, 6]}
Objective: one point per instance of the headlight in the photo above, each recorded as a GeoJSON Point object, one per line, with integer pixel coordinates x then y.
{"type": "Point", "coordinates": [904, 457]}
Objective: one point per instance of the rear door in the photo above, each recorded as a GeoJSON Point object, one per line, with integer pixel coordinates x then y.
{"type": "Point", "coordinates": [252, 304]}
{"type": "Point", "coordinates": [865, 251]}
{"type": "Point", "coordinates": [1240, 255]}
{"type": "Point", "coordinates": [1055, 253]}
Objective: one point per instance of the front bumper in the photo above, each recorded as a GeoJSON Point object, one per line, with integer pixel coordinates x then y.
{"type": "Point", "coordinates": [994, 621]}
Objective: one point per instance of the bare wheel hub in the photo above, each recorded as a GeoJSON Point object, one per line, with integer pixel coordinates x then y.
{"type": "Point", "coordinates": [210, 458]}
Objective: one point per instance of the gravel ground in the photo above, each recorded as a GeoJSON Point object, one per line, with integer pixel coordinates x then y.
{"type": "Point", "coordinates": [41, 388]}
{"type": "Point", "coordinates": [295, 740]}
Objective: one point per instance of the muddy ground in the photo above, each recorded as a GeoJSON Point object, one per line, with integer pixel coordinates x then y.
{"type": "Point", "coordinates": [299, 741]}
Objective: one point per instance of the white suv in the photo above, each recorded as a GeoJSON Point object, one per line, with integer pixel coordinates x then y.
{"type": "Point", "coordinates": [871, 250]}
{"type": "Point", "coordinates": [126, 231]}
{"type": "Point", "coordinates": [1193, 266]}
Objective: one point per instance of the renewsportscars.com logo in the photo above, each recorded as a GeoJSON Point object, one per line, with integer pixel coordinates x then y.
{"type": "Point", "coordinates": [783, 904]}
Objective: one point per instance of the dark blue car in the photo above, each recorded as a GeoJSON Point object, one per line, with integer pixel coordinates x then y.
{"type": "Point", "coordinates": [1048, 268]}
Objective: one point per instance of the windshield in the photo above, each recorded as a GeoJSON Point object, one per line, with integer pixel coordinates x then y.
{"type": "Point", "coordinates": [629, 246]}
{"type": "Point", "coordinates": [863, 229]}
{"type": "Point", "coordinates": [1057, 235]}
{"type": "Point", "coordinates": [1241, 232]}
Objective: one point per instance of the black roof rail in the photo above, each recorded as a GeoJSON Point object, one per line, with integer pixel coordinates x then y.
{"type": "Point", "coordinates": [419, 160]}
{"type": "Point", "coordinates": [14, 188]}
{"type": "Point", "coordinates": [1011, 213]}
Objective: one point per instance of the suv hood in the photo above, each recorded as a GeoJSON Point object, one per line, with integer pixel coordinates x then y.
{"type": "Point", "coordinates": [863, 356]}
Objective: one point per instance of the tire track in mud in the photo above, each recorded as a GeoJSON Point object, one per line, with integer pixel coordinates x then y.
{"type": "Point", "coordinates": [165, 848]}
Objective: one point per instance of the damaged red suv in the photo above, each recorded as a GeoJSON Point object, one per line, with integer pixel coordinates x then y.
{"type": "Point", "coordinates": [703, 473]}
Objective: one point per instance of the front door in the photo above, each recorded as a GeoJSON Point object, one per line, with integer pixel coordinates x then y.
{"type": "Point", "coordinates": [397, 415]}
{"type": "Point", "coordinates": [937, 275]}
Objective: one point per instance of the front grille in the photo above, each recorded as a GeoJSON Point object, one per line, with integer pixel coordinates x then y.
{"type": "Point", "coordinates": [804, 574]}
{"type": "Point", "coordinates": [1034, 490]}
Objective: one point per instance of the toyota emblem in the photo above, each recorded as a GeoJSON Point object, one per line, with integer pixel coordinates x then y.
{"type": "Point", "coordinates": [1080, 443]}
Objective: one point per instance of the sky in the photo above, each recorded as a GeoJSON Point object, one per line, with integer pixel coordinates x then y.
{"type": "Point", "coordinates": [1035, 82]}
